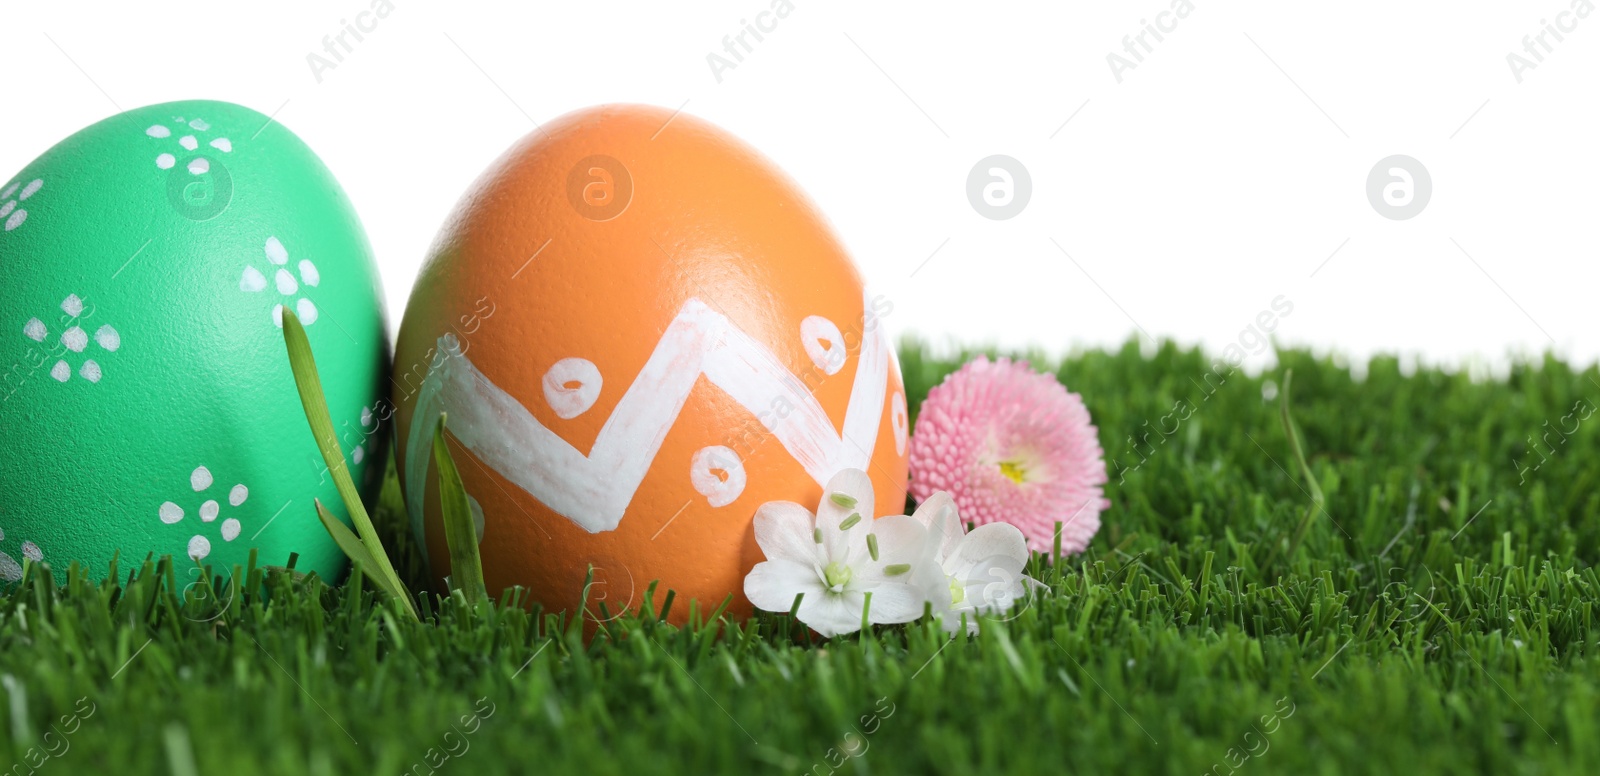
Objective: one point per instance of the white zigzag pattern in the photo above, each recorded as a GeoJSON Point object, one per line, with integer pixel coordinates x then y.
{"type": "Point", "coordinates": [594, 490]}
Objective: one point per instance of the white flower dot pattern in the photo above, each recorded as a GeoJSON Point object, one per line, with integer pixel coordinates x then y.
{"type": "Point", "coordinates": [73, 341]}
{"type": "Point", "coordinates": [252, 281]}
{"type": "Point", "coordinates": [13, 208]}
{"type": "Point", "coordinates": [11, 568]}
{"type": "Point", "coordinates": [188, 142]}
{"type": "Point", "coordinates": [200, 481]}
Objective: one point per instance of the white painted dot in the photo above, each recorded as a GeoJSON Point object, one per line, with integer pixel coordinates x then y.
{"type": "Point", "coordinates": [209, 510]}
{"type": "Point", "coordinates": [31, 552]}
{"type": "Point", "coordinates": [171, 513]}
{"type": "Point", "coordinates": [5, 210]}
{"type": "Point", "coordinates": [718, 474]}
{"type": "Point", "coordinates": [158, 130]}
{"type": "Point", "coordinates": [309, 273]}
{"type": "Point", "coordinates": [252, 280]}
{"type": "Point", "coordinates": [90, 371]}
{"type": "Point", "coordinates": [285, 282]}
{"type": "Point", "coordinates": [165, 161]}
{"type": "Point", "coordinates": [200, 478]}
{"type": "Point", "coordinates": [306, 310]}
{"type": "Point", "coordinates": [199, 547]}
{"type": "Point", "coordinates": [276, 253]}
{"type": "Point", "coordinates": [108, 338]}
{"type": "Point", "coordinates": [823, 343]}
{"type": "Point", "coordinates": [222, 144]}
{"type": "Point", "coordinates": [897, 418]}
{"type": "Point", "coordinates": [74, 339]}
{"type": "Point", "coordinates": [238, 494]}
{"type": "Point", "coordinates": [200, 124]}
{"type": "Point", "coordinates": [230, 529]}
{"type": "Point", "coordinates": [12, 189]}
{"type": "Point", "coordinates": [188, 142]}
{"type": "Point", "coordinates": [61, 372]}
{"type": "Point", "coordinates": [72, 305]}
{"type": "Point", "coordinates": [199, 166]}
{"type": "Point", "coordinates": [16, 219]}
{"type": "Point", "coordinates": [366, 416]}
{"type": "Point", "coordinates": [571, 387]}
{"type": "Point", "coordinates": [277, 315]}
{"type": "Point", "coordinates": [358, 455]}
{"type": "Point", "coordinates": [31, 189]}
{"type": "Point", "coordinates": [35, 329]}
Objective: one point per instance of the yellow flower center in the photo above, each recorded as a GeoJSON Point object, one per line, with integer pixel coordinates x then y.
{"type": "Point", "coordinates": [958, 592]}
{"type": "Point", "coordinates": [1014, 470]}
{"type": "Point", "coordinates": [836, 575]}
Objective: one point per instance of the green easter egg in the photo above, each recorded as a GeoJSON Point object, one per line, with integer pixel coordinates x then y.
{"type": "Point", "coordinates": [146, 400]}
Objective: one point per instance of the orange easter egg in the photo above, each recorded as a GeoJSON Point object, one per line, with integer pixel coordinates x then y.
{"type": "Point", "coordinates": [640, 330]}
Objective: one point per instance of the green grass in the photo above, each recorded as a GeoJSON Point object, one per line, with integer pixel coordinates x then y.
{"type": "Point", "coordinates": [1439, 615]}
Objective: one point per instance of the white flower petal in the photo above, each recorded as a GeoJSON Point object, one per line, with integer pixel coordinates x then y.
{"type": "Point", "coordinates": [997, 594]}
{"type": "Point", "coordinates": [995, 545]}
{"type": "Point", "coordinates": [939, 515]}
{"type": "Point", "coordinates": [951, 620]}
{"type": "Point", "coordinates": [896, 602]}
{"type": "Point", "coordinates": [901, 540]}
{"type": "Point", "coordinates": [850, 484]}
{"type": "Point", "coordinates": [784, 531]}
{"type": "Point", "coordinates": [772, 585]}
{"type": "Point", "coordinates": [833, 614]}
{"type": "Point", "coordinates": [991, 589]}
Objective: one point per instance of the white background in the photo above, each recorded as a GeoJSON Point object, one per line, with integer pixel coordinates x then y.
{"type": "Point", "coordinates": [1220, 173]}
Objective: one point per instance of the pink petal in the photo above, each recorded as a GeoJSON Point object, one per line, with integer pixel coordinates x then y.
{"type": "Point", "coordinates": [989, 413]}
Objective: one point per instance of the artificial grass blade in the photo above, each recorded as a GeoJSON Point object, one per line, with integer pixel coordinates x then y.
{"type": "Point", "coordinates": [466, 569]}
{"type": "Point", "coordinates": [356, 551]}
{"type": "Point", "coordinates": [304, 366]}
{"type": "Point", "coordinates": [1298, 450]}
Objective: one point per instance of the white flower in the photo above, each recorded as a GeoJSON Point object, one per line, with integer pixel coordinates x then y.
{"type": "Point", "coordinates": [982, 569]}
{"type": "Point", "coordinates": [834, 558]}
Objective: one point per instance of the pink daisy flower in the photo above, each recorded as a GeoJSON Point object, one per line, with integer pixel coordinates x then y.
{"type": "Point", "coordinates": [1012, 446]}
